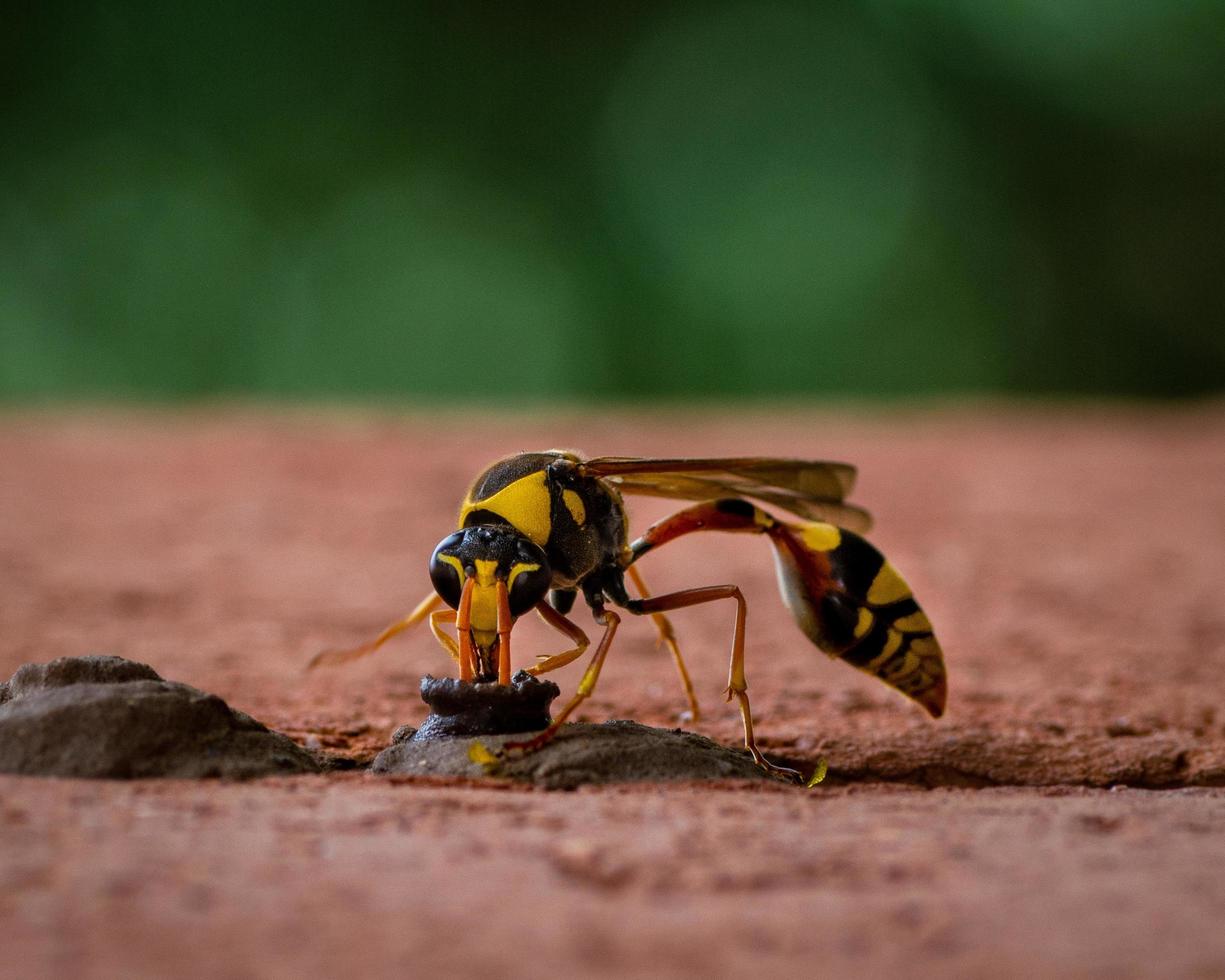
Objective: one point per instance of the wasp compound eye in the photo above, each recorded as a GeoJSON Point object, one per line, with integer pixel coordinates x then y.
{"type": "Point", "coordinates": [529, 578]}
{"type": "Point", "coordinates": [446, 569]}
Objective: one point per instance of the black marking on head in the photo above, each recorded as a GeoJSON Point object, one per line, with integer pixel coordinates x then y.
{"type": "Point", "coordinates": [501, 544]}
{"type": "Point", "coordinates": [448, 583]}
{"type": "Point", "coordinates": [529, 586]}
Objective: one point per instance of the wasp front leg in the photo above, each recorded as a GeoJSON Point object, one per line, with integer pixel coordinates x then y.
{"type": "Point", "coordinates": [478, 753]}
{"type": "Point", "coordinates": [562, 625]}
{"type": "Point", "coordinates": [609, 620]}
{"type": "Point", "coordinates": [333, 657]}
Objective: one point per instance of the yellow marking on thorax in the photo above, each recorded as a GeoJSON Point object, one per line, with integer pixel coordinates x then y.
{"type": "Point", "coordinates": [524, 503]}
{"type": "Point", "coordinates": [887, 587]}
{"type": "Point", "coordinates": [821, 537]}
{"type": "Point", "coordinates": [866, 619]}
{"type": "Point", "coordinates": [574, 504]}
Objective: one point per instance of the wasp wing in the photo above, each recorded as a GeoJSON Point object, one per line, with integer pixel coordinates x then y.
{"type": "Point", "coordinates": [812, 489]}
{"type": "Point", "coordinates": [815, 478]}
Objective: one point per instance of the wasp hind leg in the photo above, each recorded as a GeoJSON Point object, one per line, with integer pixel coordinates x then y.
{"type": "Point", "coordinates": [737, 685]}
{"type": "Point", "coordinates": [667, 636]}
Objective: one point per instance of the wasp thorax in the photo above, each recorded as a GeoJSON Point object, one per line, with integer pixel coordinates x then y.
{"type": "Point", "coordinates": [488, 553]}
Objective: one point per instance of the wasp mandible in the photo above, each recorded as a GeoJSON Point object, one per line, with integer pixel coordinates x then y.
{"type": "Point", "coordinates": [538, 528]}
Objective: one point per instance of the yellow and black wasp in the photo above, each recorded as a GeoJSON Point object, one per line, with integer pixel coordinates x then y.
{"type": "Point", "coordinates": [537, 528]}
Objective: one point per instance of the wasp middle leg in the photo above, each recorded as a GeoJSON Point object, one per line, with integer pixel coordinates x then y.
{"type": "Point", "coordinates": [667, 636]}
{"type": "Point", "coordinates": [609, 620]}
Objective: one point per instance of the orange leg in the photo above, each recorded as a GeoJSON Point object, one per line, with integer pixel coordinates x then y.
{"type": "Point", "coordinates": [609, 620]}
{"type": "Point", "coordinates": [463, 626]}
{"type": "Point", "coordinates": [667, 636]}
{"type": "Point", "coordinates": [737, 685]}
{"type": "Point", "coordinates": [332, 657]}
{"type": "Point", "coordinates": [504, 624]}
{"type": "Point", "coordinates": [562, 625]}
{"type": "Point", "coordinates": [437, 619]}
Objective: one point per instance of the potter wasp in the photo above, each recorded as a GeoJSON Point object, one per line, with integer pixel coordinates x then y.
{"type": "Point", "coordinates": [538, 528]}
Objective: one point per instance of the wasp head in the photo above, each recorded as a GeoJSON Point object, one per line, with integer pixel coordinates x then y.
{"type": "Point", "coordinates": [488, 561]}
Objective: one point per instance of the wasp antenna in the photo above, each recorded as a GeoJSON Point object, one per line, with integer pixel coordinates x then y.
{"type": "Point", "coordinates": [331, 658]}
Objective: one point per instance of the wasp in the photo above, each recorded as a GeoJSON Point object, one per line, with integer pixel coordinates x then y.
{"type": "Point", "coordinates": [536, 529]}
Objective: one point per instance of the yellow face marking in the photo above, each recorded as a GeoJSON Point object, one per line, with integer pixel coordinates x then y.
{"type": "Point", "coordinates": [484, 612]}
{"type": "Point", "coordinates": [887, 587]}
{"type": "Point", "coordinates": [518, 569]}
{"type": "Point", "coordinates": [484, 638]}
{"type": "Point", "coordinates": [485, 601]}
{"type": "Point", "coordinates": [574, 504]}
{"type": "Point", "coordinates": [524, 504]}
{"type": "Point", "coordinates": [916, 622]}
{"type": "Point", "coordinates": [454, 563]}
{"type": "Point", "coordinates": [485, 570]}
{"type": "Point", "coordinates": [821, 537]}
{"type": "Point", "coordinates": [866, 619]}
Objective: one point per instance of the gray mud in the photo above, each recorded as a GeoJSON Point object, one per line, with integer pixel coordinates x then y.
{"type": "Point", "coordinates": [110, 718]}
{"type": "Point", "coordinates": [580, 755]}
{"type": "Point", "coordinates": [461, 708]}
{"type": "Point", "coordinates": [464, 714]}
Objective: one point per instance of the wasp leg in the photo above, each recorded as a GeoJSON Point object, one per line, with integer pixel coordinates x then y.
{"type": "Point", "coordinates": [448, 642]}
{"type": "Point", "coordinates": [463, 626]}
{"type": "Point", "coordinates": [504, 624]}
{"type": "Point", "coordinates": [562, 625]}
{"type": "Point", "coordinates": [737, 685]}
{"type": "Point", "coordinates": [333, 657]}
{"type": "Point", "coordinates": [609, 620]}
{"type": "Point", "coordinates": [845, 597]}
{"type": "Point", "coordinates": [668, 636]}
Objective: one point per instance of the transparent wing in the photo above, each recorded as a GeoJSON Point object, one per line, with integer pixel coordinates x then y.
{"type": "Point", "coordinates": [813, 489]}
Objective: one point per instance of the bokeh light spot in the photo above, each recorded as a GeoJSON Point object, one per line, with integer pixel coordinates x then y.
{"type": "Point", "coordinates": [767, 158]}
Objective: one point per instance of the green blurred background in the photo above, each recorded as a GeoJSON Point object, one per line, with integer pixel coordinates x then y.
{"type": "Point", "coordinates": [464, 202]}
